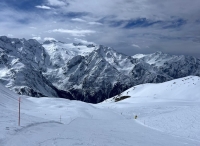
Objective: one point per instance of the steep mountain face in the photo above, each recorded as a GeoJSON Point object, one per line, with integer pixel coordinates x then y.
{"type": "Point", "coordinates": [93, 77]}
{"type": "Point", "coordinates": [21, 65]}
{"type": "Point", "coordinates": [170, 65]}
{"type": "Point", "coordinates": [90, 73]}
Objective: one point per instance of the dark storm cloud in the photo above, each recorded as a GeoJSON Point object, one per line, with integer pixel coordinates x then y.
{"type": "Point", "coordinates": [130, 26]}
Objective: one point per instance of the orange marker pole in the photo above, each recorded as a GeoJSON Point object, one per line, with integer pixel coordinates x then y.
{"type": "Point", "coordinates": [19, 112]}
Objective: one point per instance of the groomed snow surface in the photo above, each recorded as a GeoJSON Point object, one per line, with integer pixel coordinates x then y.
{"type": "Point", "coordinates": [168, 114]}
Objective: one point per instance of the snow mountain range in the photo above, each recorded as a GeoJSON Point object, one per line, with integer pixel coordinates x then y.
{"type": "Point", "coordinates": [86, 72]}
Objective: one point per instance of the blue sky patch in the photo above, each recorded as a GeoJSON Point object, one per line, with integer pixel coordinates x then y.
{"type": "Point", "coordinates": [175, 24]}
{"type": "Point", "coordinates": [140, 22]}
{"type": "Point", "coordinates": [23, 5]}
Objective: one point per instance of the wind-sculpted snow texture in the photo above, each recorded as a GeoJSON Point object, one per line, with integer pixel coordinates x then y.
{"type": "Point", "coordinates": [90, 73]}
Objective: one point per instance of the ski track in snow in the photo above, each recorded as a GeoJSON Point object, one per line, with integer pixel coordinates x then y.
{"type": "Point", "coordinates": [95, 132]}
{"type": "Point", "coordinates": [105, 136]}
{"type": "Point", "coordinates": [178, 119]}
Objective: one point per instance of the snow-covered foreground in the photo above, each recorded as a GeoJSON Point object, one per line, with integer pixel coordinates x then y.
{"type": "Point", "coordinates": [167, 115]}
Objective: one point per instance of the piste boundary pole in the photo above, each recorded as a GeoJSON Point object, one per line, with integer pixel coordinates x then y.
{"type": "Point", "coordinates": [19, 112]}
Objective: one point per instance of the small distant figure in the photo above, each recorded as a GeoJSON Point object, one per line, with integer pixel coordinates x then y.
{"type": "Point", "coordinates": [135, 116]}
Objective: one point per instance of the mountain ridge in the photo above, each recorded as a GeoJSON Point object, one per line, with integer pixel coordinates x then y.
{"type": "Point", "coordinates": [90, 73]}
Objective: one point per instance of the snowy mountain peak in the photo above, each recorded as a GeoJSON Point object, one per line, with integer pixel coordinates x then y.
{"type": "Point", "coordinates": [138, 56]}
{"type": "Point", "coordinates": [84, 72]}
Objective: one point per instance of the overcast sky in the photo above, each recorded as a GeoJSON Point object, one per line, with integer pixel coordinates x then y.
{"type": "Point", "coordinates": [129, 26]}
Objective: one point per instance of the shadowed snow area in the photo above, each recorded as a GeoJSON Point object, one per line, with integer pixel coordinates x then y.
{"type": "Point", "coordinates": [167, 114]}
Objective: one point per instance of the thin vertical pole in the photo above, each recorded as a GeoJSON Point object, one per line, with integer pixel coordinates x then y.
{"type": "Point", "coordinates": [19, 112]}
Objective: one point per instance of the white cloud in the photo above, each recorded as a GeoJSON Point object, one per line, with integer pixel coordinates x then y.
{"type": "Point", "coordinates": [10, 35]}
{"type": "Point", "coordinates": [56, 3]}
{"type": "Point", "coordinates": [74, 32]}
{"type": "Point", "coordinates": [32, 27]}
{"type": "Point", "coordinates": [49, 39]}
{"type": "Point", "coordinates": [136, 46]}
{"type": "Point", "coordinates": [95, 23]}
{"type": "Point", "coordinates": [38, 38]}
{"type": "Point", "coordinates": [83, 41]}
{"type": "Point", "coordinates": [43, 7]}
{"type": "Point", "coordinates": [84, 21]}
{"type": "Point", "coordinates": [78, 20]}
{"type": "Point", "coordinates": [106, 33]}
{"type": "Point", "coordinates": [132, 9]}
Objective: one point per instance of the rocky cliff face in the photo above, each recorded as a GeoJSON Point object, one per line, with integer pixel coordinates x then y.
{"type": "Point", "coordinates": [90, 73]}
{"type": "Point", "coordinates": [21, 65]}
{"type": "Point", "coordinates": [94, 76]}
{"type": "Point", "coordinates": [171, 66]}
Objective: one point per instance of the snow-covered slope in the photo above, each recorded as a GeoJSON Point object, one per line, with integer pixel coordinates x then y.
{"type": "Point", "coordinates": [58, 122]}
{"type": "Point", "coordinates": [171, 107]}
{"type": "Point", "coordinates": [91, 73]}
{"type": "Point", "coordinates": [7, 98]}
{"type": "Point", "coordinates": [182, 89]}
